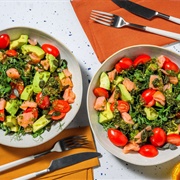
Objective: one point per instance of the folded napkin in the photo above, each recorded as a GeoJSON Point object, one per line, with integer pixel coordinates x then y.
{"type": "Point", "coordinates": [107, 40]}
{"type": "Point", "coordinates": [80, 171]}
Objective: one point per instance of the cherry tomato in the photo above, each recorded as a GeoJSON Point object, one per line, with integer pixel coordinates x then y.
{"type": "Point", "coordinates": [141, 59]}
{"type": "Point", "coordinates": [173, 139]}
{"type": "Point", "coordinates": [2, 115]}
{"type": "Point", "coordinates": [125, 63]}
{"type": "Point", "coordinates": [147, 95]}
{"type": "Point", "coordinates": [159, 137]}
{"type": "Point", "coordinates": [118, 67]}
{"type": "Point", "coordinates": [148, 150]}
{"type": "Point", "coordinates": [122, 106]}
{"type": "Point", "coordinates": [33, 110]}
{"type": "Point", "coordinates": [42, 101]}
{"type": "Point", "coordinates": [50, 49]}
{"type": "Point", "coordinates": [4, 41]}
{"type": "Point", "coordinates": [99, 91]}
{"type": "Point", "coordinates": [19, 86]}
{"type": "Point", "coordinates": [117, 137]}
{"type": "Point", "coordinates": [56, 115]}
{"type": "Point", "coordinates": [169, 65]}
{"type": "Point", "coordinates": [61, 106]}
{"type": "Point", "coordinates": [11, 53]}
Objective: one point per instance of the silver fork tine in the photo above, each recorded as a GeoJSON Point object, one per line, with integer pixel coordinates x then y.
{"type": "Point", "coordinates": [102, 17]}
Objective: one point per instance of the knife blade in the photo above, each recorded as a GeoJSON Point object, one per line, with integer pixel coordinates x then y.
{"type": "Point", "coordinates": [62, 163]}
{"type": "Point", "coordinates": [143, 11]}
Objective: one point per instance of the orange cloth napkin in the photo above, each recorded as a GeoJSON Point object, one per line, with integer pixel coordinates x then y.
{"type": "Point", "coordinates": [80, 171]}
{"type": "Point", "coordinates": [107, 40]}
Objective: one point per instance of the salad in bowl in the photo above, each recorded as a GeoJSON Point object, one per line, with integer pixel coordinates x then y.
{"type": "Point", "coordinates": [137, 104]}
{"type": "Point", "coordinates": [36, 87]}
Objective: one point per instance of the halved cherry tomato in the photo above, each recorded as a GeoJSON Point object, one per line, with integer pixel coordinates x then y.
{"type": "Point", "coordinates": [56, 115]}
{"type": "Point", "coordinates": [42, 101]}
{"type": "Point", "coordinates": [148, 150]}
{"type": "Point", "coordinates": [19, 86]}
{"type": "Point", "coordinates": [11, 53]}
{"type": "Point", "coordinates": [125, 63]}
{"type": "Point", "coordinates": [159, 137]}
{"type": "Point", "coordinates": [122, 106]}
{"type": "Point", "coordinates": [173, 139]}
{"type": "Point", "coordinates": [169, 65]}
{"type": "Point", "coordinates": [33, 110]}
{"type": "Point", "coordinates": [147, 95]}
{"type": "Point", "coordinates": [50, 49]}
{"type": "Point", "coordinates": [118, 67]}
{"type": "Point", "coordinates": [61, 106]}
{"type": "Point", "coordinates": [2, 115]}
{"type": "Point", "coordinates": [117, 137]}
{"type": "Point", "coordinates": [99, 91]}
{"type": "Point", "coordinates": [4, 41]}
{"type": "Point", "coordinates": [141, 59]}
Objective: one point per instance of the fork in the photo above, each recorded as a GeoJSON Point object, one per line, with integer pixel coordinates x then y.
{"type": "Point", "coordinates": [65, 144]}
{"type": "Point", "coordinates": [113, 20]}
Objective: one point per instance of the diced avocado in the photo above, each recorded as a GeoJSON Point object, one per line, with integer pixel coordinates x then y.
{"type": "Point", "coordinates": [40, 123]}
{"type": "Point", "coordinates": [61, 75]}
{"type": "Point", "coordinates": [117, 80]}
{"type": "Point", "coordinates": [104, 81]}
{"type": "Point", "coordinates": [40, 76]}
{"type": "Point", "coordinates": [27, 48]}
{"type": "Point", "coordinates": [23, 39]}
{"type": "Point", "coordinates": [53, 62]}
{"type": "Point", "coordinates": [106, 115]}
{"type": "Point", "coordinates": [151, 67]}
{"type": "Point", "coordinates": [151, 113]}
{"type": "Point", "coordinates": [27, 92]}
{"type": "Point", "coordinates": [124, 93]}
{"type": "Point", "coordinates": [11, 122]}
{"type": "Point", "coordinates": [12, 106]}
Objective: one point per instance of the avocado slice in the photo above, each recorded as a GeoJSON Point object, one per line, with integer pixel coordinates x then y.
{"type": "Point", "coordinates": [104, 81]}
{"type": "Point", "coordinates": [40, 123]}
{"type": "Point", "coordinates": [27, 48]}
{"type": "Point", "coordinates": [106, 115]}
{"type": "Point", "coordinates": [53, 62]}
{"type": "Point", "coordinates": [40, 76]}
{"type": "Point", "coordinates": [23, 39]}
{"type": "Point", "coordinates": [12, 106]}
{"type": "Point", "coordinates": [124, 93]}
{"type": "Point", "coordinates": [27, 92]}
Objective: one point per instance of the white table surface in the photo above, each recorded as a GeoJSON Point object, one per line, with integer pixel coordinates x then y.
{"type": "Point", "coordinates": [57, 18]}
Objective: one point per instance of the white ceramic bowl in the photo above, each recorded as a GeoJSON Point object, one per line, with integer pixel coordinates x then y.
{"type": "Point", "coordinates": [97, 128]}
{"type": "Point", "coordinates": [41, 37]}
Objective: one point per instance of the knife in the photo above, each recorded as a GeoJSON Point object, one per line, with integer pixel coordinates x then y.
{"type": "Point", "coordinates": [143, 11]}
{"type": "Point", "coordinates": [62, 163]}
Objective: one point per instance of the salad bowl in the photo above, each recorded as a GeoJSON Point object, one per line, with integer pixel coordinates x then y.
{"type": "Point", "coordinates": [27, 140]}
{"type": "Point", "coordinates": [97, 128]}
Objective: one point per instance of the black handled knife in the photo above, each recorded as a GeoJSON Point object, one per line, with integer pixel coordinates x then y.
{"type": "Point", "coordinates": [62, 163]}
{"type": "Point", "coordinates": [143, 11]}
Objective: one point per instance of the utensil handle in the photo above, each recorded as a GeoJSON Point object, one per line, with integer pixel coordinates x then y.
{"type": "Point", "coordinates": [163, 33]}
{"type": "Point", "coordinates": [174, 19]}
{"type": "Point", "coordinates": [32, 175]}
{"type": "Point", "coordinates": [16, 163]}
{"type": "Point", "coordinates": [170, 18]}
